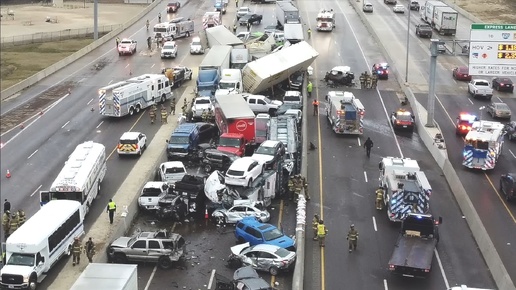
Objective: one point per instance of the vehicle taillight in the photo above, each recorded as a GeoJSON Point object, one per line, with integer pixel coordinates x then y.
{"type": "Point", "coordinates": [469, 128]}
{"type": "Point", "coordinates": [386, 71]}
{"type": "Point", "coordinates": [398, 122]}
{"type": "Point", "coordinates": [463, 127]}
{"type": "Point", "coordinates": [392, 267]}
{"type": "Point", "coordinates": [427, 270]}
{"type": "Point", "coordinates": [283, 263]}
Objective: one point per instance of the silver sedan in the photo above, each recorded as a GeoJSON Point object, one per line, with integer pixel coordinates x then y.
{"type": "Point", "coordinates": [499, 110]}
{"type": "Point", "coordinates": [240, 210]}
{"type": "Point", "coordinates": [262, 257]}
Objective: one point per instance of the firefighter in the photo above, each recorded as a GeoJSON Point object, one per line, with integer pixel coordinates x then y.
{"type": "Point", "coordinates": [315, 103]}
{"type": "Point", "coordinates": [248, 26]}
{"type": "Point", "coordinates": [204, 115]}
{"type": "Point", "coordinates": [291, 187]}
{"type": "Point", "coordinates": [14, 224]}
{"type": "Point", "coordinates": [315, 223]}
{"type": "Point", "coordinates": [21, 217]}
{"type": "Point", "coordinates": [152, 115]}
{"type": "Point", "coordinates": [322, 231]}
{"type": "Point", "coordinates": [305, 187]}
{"type": "Point", "coordinates": [298, 186]}
{"type": "Point", "coordinates": [117, 40]}
{"type": "Point", "coordinates": [183, 108]}
{"type": "Point", "coordinates": [6, 222]}
{"type": "Point", "coordinates": [173, 106]}
{"type": "Point", "coordinates": [89, 249]}
{"type": "Point", "coordinates": [368, 144]}
{"type": "Point", "coordinates": [211, 117]}
{"type": "Point", "coordinates": [379, 198]}
{"type": "Point", "coordinates": [76, 251]}
{"type": "Point", "coordinates": [368, 80]}
{"type": "Point", "coordinates": [164, 115]}
{"type": "Point", "coordinates": [234, 28]}
{"type": "Point", "coordinates": [362, 80]}
{"type": "Point", "coordinates": [149, 43]}
{"type": "Point", "coordinates": [352, 238]}
{"type": "Point", "coordinates": [159, 17]}
{"type": "Point", "coordinates": [374, 81]}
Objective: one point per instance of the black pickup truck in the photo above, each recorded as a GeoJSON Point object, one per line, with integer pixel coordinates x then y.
{"type": "Point", "coordinates": [414, 250]}
{"type": "Point", "coordinates": [424, 30]}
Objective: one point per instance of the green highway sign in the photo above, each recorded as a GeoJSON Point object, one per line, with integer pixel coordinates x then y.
{"type": "Point", "coordinates": [476, 26]}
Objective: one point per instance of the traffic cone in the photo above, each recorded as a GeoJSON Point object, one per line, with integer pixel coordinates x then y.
{"type": "Point", "coordinates": [205, 211]}
{"type": "Point", "coordinates": [8, 174]}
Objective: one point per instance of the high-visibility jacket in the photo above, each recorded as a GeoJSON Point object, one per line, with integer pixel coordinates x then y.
{"type": "Point", "coordinates": [6, 219]}
{"type": "Point", "coordinates": [379, 194]}
{"type": "Point", "coordinates": [321, 230]}
{"type": "Point", "coordinates": [111, 205]}
{"type": "Point", "coordinates": [309, 87]}
{"type": "Point", "coordinates": [315, 223]}
{"type": "Point", "coordinates": [353, 235]}
{"type": "Point", "coordinates": [315, 103]}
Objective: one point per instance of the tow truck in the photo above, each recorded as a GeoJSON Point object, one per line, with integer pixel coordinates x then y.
{"type": "Point", "coordinates": [464, 123]}
{"type": "Point", "coordinates": [403, 119]}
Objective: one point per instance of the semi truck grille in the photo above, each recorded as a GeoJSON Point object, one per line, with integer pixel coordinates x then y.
{"type": "Point", "coordinates": [12, 279]}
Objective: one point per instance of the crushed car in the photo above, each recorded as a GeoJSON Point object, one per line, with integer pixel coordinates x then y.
{"type": "Point", "coordinates": [239, 210]}
{"type": "Point", "coordinates": [263, 257]}
{"type": "Point", "coordinates": [244, 278]}
{"type": "Point", "coordinates": [340, 75]}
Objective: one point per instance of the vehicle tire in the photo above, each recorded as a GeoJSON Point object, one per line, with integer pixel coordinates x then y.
{"type": "Point", "coordinates": [163, 99]}
{"type": "Point", "coordinates": [131, 111]}
{"type": "Point", "coordinates": [164, 263]}
{"type": "Point", "coordinates": [119, 54]}
{"type": "Point", "coordinates": [273, 271]}
{"type": "Point", "coordinates": [207, 168]}
{"type": "Point", "coordinates": [68, 250]}
{"type": "Point", "coordinates": [119, 258]}
{"type": "Point", "coordinates": [157, 176]}
{"type": "Point", "coordinates": [512, 90]}
{"type": "Point", "coordinates": [235, 263]}
{"type": "Point", "coordinates": [501, 189]}
{"type": "Point", "coordinates": [179, 83]}
{"type": "Point", "coordinates": [187, 34]}
{"type": "Point", "coordinates": [489, 98]}
{"type": "Point", "coordinates": [33, 283]}
{"type": "Point", "coordinates": [138, 109]}
{"type": "Point", "coordinates": [98, 189]}
{"type": "Point", "coordinates": [510, 137]}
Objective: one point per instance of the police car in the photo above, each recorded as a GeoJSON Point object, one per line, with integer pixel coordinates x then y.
{"type": "Point", "coordinates": [463, 123]}
{"type": "Point", "coordinates": [132, 143]}
{"type": "Point", "coordinates": [381, 70]}
{"type": "Point", "coordinates": [403, 119]}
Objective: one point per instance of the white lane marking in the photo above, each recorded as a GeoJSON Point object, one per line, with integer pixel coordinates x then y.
{"type": "Point", "coordinates": [89, 102]}
{"type": "Point", "coordinates": [150, 278]}
{"type": "Point", "coordinates": [359, 144]}
{"type": "Point", "coordinates": [365, 176]}
{"type": "Point", "coordinates": [37, 189]}
{"type": "Point", "coordinates": [442, 269]}
{"type": "Point", "coordinates": [100, 124]}
{"type": "Point", "coordinates": [374, 224]}
{"type": "Point", "coordinates": [34, 121]}
{"type": "Point", "coordinates": [110, 82]}
{"type": "Point", "coordinates": [65, 124]}
{"type": "Point", "coordinates": [377, 89]}
{"type": "Point", "coordinates": [449, 117]}
{"type": "Point", "coordinates": [152, 65]}
{"type": "Point", "coordinates": [385, 286]}
{"type": "Point", "coordinates": [499, 99]}
{"type": "Point", "coordinates": [127, 66]}
{"type": "Point", "coordinates": [33, 153]}
{"type": "Point", "coordinates": [512, 153]}
{"type": "Point", "coordinates": [338, 53]}
{"type": "Point", "coordinates": [212, 277]}
{"type": "Point", "coordinates": [81, 80]}
{"type": "Point", "coordinates": [470, 101]}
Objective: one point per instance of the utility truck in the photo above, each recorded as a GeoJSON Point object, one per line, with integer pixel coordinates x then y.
{"type": "Point", "coordinates": [415, 247]}
{"type": "Point", "coordinates": [406, 188]}
{"type": "Point", "coordinates": [345, 113]}
{"type": "Point", "coordinates": [210, 69]}
{"type": "Point", "coordinates": [276, 67]}
{"type": "Point", "coordinates": [286, 12]}
{"type": "Point", "coordinates": [133, 95]}
{"type": "Point", "coordinates": [445, 20]}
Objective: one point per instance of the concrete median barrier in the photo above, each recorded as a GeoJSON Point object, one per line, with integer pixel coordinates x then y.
{"type": "Point", "coordinates": [486, 246]}
{"type": "Point", "coordinates": [70, 59]}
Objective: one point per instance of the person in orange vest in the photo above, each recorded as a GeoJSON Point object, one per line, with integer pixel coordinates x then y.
{"type": "Point", "coordinates": [315, 103]}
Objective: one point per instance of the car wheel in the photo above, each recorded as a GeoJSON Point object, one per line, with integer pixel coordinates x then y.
{"type": "Point", "coordinates": [207, 168]}
{"type": "Point", "coordinates": [164, 262]}
{"type": "Point", "coordinates": [119, 258]}
{"type": "Point", "coordinates": [163, 99]}
{"type": "Point", "coordinates": [501, 187]}
{"type": "Point", "coordinates": [137, 109]}
{"type": "Point", "coordinates": [273, 271]}
{"type": "Point", "coordinates": [510, 137]}
{"type": "Point", "coordinates": [187, 34]}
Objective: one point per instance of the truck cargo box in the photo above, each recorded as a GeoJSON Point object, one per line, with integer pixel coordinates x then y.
{"type": "Point", "coordinates": [102, 276]}
{"type": "Point", "coordinates": [220, 35]}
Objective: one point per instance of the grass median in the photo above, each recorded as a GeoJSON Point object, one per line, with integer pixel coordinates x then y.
{"type": "Point", "coordinates": [22, 61]}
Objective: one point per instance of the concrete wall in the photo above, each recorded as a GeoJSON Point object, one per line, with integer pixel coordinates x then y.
{"type": "Point", "coordinates": [485, 245]}
{"type": "Point", "coordinates": [65, 62]}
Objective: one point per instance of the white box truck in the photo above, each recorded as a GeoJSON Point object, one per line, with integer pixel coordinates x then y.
{"type": "Point", "coordinates": [239, 57]}
{"type": "Point", "coordinates": [293, 32]}
{"type": "Point", "coordinates": [286, 12]}
{"type": "Point", "coordinates": [276, 67]}
{"type": "Point", "coordinates": [102, 276]}
{"type": "Point", "coordinates": [445, 20]}
{"type": "Point", "coordinates": [427, 11]}
{"type": "Point", "coordinates": [210, 69]}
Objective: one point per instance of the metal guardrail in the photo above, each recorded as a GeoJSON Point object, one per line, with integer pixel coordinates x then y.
{"type": "Point", "coordinates": [54, 35]}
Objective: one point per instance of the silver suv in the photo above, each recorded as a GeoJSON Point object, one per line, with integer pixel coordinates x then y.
{"type": "Point", "coordinates": [160, 247]}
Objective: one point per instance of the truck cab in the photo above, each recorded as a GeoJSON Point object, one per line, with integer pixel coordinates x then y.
{"type": "Point", "coordinates": [232, 143]}
{"type": "Point", "coordinates": [183, 142]}
{"type": "Point", "coordinates": [230, 82]}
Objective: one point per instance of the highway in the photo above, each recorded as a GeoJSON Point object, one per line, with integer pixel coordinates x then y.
{"type": "Point", "coordinates": [498, 216]}
{"type": "Point", "coordinates": [347, 178]}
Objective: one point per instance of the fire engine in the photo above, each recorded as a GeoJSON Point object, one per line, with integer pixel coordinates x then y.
{"type": "Point", "coordinates": [483, 145]}
{"type": "Point", "coordinates": [406, 188]}
{"type": "Point", "coordinates": [345, 113]}
{"type": "Point", "coordinates": [325, 20]}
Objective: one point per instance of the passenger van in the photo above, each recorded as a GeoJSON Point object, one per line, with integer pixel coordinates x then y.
{"type": "Point", "coordinates": [35, 247]}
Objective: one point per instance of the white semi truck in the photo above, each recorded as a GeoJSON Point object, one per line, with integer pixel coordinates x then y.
{"type": "Point", "coordinates": [427, 10]}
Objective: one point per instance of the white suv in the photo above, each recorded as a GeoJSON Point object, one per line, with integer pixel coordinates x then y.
{"type": "Point", "coordinates": [293, 97]}
{"type": "Point", "coordinates": [243, 11]}
{"type": "Point", "coordinates": [201, 104]}
{"type": "Point", "coordinates": [131, 143]}
{"type": "Point", "coordinates": [196, 46]}
{"type": "Point", "coordinates": [262, 104]}
{"type": "Point", "coordinates": [151, 193]}
{"type": "Point", "coordinates": [169, 49]}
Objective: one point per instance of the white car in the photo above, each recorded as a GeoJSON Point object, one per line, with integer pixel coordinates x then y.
{"type": "Point", "coordinates": [242, 11]}
{"type": "Point", "coordinates": [169, 49]}
{"type": "Point", "coordinates": [171, 172]}
{"type": "Point", "coordinates": [151, 193]}
{"type": "Point", "coordinates": [131, 143]}
{"type": "Point", "coordinates": [127, 46]}
{"type": "Point", "coordinates": [243, 172]}
{"type": "Point", "coordinates": [239, 210]}
{"type": "Point", "coordinates": [201, 104]}
{"type": "Point", "coordinates": [263, 257]}
{"type": "Point", "coordinates": [269, 152]}
{"type": "Point", "coordinates": [398, 8]}
{"type": "Point", "coordinates": [262, 104]}
{"type": "Point", "coordinates": [368, 7]}
{"type": "Point", "coordinates": [196, 46]}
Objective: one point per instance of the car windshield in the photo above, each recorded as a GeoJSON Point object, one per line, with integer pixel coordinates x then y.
{"type": "Point", "coordinates": [160, 29]}
{"type": "Point", "coordinates": [404, 117]}
{"type": "Point", "coordinates": [168, 47]}
{"type": "Point", "coordinates": [202, 101]}
{"type": "Point", "coordinates": [272, 234]}
{"type": "Point", "coordinates": [173, 170]}
{"type": "Point", "coordinates": [178, 140]}
{"type": "Point", "coordinates": [196, 43]}
{"type": "Point", "coordinates": [128, 141]}
{"type": "Point", "coordinates": [125, 42]}
{"type": "Point", "coordinates": [282, 252]}
{"type": "Point", "coordinates": [292, 98]}
{"type": "Point", "coordinates": [21, 259]}
{"type": "Point", "coordinates": [265, 150]}
{"type": "Point", "coordinates": [502, 106]}
{"type": "Point", "coordinates": [226, 86]}
{"type": "Point", "coordinates": [235, 172]}
{"type": "Point", "coordinates": [229, 142]}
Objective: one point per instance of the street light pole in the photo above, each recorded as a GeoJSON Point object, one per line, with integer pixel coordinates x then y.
{"type": "Point", "coordinates": [96, 20]}
{"type": "Point", "coordinates": [408, 42]}
{"type": "Point", "coordinates": [431, 82]}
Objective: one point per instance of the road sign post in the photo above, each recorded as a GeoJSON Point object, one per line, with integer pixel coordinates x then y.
{"type": "Point", "coordinates": [492, 50]}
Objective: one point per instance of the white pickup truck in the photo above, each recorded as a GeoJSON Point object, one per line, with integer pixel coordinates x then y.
{"type": "Point", "coordinates": [262, 104]}
{"type": "Point", "coordinates": [480, 88]}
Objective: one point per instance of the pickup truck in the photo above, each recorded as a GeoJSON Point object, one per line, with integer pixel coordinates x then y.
{"type": "Point", "coordinates": [414, 249]}
{"type": "Point", "coordinates": [480, 88]}
{"type": "Point", "coordinates": [262, 104]}
{"type": "Point", "coordinates": [424, 30]}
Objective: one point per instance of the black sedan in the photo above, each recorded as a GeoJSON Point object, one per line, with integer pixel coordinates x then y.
{"type": "Point", "coordinates": [295, 81]}
{"type": "Point", "coordinates": [250, 18]}
{"type": "Point", "coordinates": [508, 186]}
{"type": "Point", "coordinates": [503, 84]}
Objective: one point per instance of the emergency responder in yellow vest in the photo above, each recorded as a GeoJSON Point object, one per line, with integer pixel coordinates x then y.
{"type": "Point", "coordinates": [309, 88]}
{"type": "Point", "coordinates": [291, 188]}
{"type": "Point", "coordinates": [352, 238]}
{"type": "Point", "coordinates": [21, 217]}
{"type": "Point", "coordinates": [173, 107]}
{"type": "Point", "coordinates": [164, 115]}
{"type": "Point", "coordinates": [152, 115]}
{"type": "Point", "coordinates": [111, 209]}
{"type": "Point", "coordinates": [14, 224]}
{"type": "Point", "coordinates": [89, 250]}
{"type": "Point", "coordinates": [379, 198]}
{"type": "Point", "coordinates": [6, 223]}
{"type": "Point", "coordinates": [315, 223]}
{"type": "Point", "coordinates": [305, 187]}
{"type": "Point", "coordinates": [322, 231]}
{"type": "Point", "coordinates": [76, 251]}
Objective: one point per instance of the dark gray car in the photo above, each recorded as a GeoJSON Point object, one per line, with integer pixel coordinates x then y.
{"type": "Point", "coordinates": [508, 185]}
